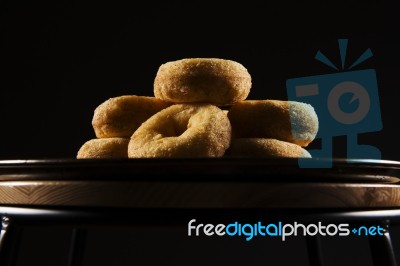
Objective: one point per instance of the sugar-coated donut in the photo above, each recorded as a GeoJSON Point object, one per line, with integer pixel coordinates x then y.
{"type": "Point", "coordinates": [261, 147]}
{"type": "Point", "coordinates": [182, 130]}
{"type": "Point", "coordinates": [121, 116]}
{"type": "Point", "coordinates": [289, 121]}
{"type": "Point", "coordinates": [206, 80]}
{"type": "Point", "coordinates": [104, 148]}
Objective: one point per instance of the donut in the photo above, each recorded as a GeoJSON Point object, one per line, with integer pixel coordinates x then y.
{"type": "Point", "coordinates": [119, 117]}
{"type": "Point", "coordinates": [290, 121]}
{"type": "Point", "coordinates": [182, 130]}
{"type": "Point", "coordinates": [104, 148]}
{"type": "Point", "coordinates": [204, 80]}
{"type": "Point", "coordinates": [262, 147]}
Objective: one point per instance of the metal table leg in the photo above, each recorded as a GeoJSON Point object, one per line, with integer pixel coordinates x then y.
{"type": "Point", "coordinates": [77, 247]}
{"type": "Point", "coordinates": [9, 237]}
{"type": "Point", "coordinates": [5, 221]}
{"type": "Point", "coordinates": [314, 250]}
{"type": "Point", "coordinates": [382, 250]}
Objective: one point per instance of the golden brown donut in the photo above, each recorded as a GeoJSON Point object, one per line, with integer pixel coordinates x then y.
{"type": "Point", "coordinates": [261, 147]}
{"type": "Point", "coordinates": [182, 130]}
{"type": "Point", "coordinates": [289, 121]}
{"type": "Point", "coordinates": [121, 116]}
{"type": "Point", "coordinates": [104, 148]}
{"type": "Point", "coordinates": [207, 80]}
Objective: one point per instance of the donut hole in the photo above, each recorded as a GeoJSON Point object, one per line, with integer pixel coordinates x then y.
{"type": "Point", "coordinates": [183, 124]}
{"type": "Point", "coordinates": [174, 127]}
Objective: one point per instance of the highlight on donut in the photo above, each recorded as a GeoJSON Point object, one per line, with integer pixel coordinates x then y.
{"type": "Point", "coordinates": [200, 109]}
{"type": "Point", "coordinates": [290, 121]}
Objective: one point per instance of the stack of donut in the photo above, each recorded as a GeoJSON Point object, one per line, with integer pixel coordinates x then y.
{"type": "Point", "coordinates": [185, 119]}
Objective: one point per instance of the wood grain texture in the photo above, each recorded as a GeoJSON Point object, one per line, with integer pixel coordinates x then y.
{"type": "Point", "coordinates": [198, 194]}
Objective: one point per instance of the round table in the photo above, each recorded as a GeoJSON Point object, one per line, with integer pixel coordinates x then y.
{"type": "Point", "coordinates": [123, 192]}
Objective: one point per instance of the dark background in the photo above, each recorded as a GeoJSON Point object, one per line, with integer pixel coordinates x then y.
{"type": "Point", "coordinates": [61, 59]}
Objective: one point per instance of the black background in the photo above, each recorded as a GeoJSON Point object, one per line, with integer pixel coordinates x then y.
{"type": "Point", "coordinates": [61, 59]}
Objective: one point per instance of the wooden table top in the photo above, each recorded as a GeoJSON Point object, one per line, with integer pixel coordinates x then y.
{"type": "Point", "coordinates": [219, 183]}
